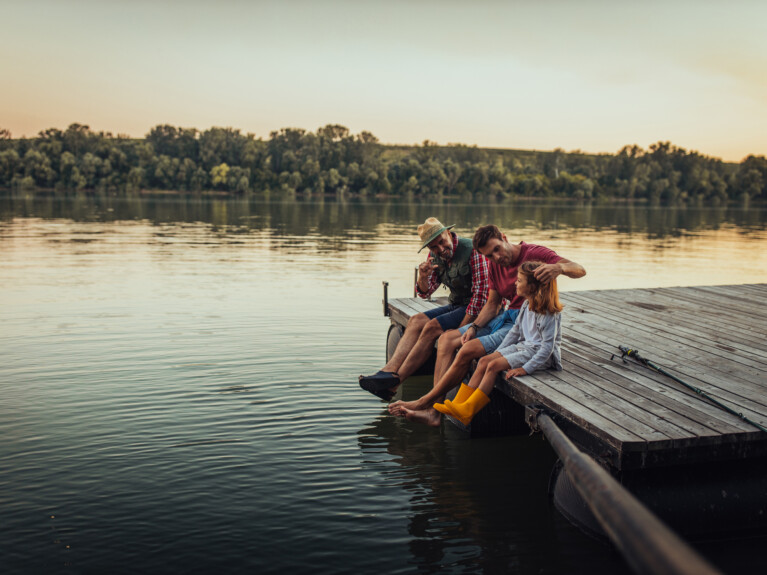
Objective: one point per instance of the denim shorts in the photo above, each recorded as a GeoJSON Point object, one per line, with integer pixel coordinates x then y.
{"type": "Point", "coordinates": [493, 333]}
{"type": "Point", "coordinates": [449, 316]}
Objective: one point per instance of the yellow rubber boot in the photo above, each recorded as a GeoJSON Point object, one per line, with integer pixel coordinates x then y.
{"type": "Point", "coordinates": [465, 412]}
{"type": "Point", "coordinates": [442, 408]}
{"type": "Point", "coordinates": [464, 393]}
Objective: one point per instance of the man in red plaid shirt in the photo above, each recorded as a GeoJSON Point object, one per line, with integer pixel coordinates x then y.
{"type": "Point", "coordinates": [452, 262]}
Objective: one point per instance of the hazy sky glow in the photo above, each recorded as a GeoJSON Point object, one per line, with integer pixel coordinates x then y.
{"type": "Point", "coordinates": [590, 75]}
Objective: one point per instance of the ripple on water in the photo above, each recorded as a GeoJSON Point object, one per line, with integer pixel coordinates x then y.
{"type": "Point", "coordinates": [178, 399]}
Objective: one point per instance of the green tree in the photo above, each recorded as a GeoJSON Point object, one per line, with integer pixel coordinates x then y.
{"type": "Point", "coordinates": [70, 177]}
{"type": "Point", "coordinates": [90, 168]}
{"type": "Point", "coordinates": [135, 180]}
{"type": "Point", "coordinates": [10, 165]}
{"type": "Point", "coordinates": [751, 178]}
{"type": "Point", "coordinates": [38, 167]}
{"type": "Point", "coordinates": [219, 176]}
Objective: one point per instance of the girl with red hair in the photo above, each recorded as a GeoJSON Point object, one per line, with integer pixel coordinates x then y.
{"type": "Point", "coordinates": [533, 343]}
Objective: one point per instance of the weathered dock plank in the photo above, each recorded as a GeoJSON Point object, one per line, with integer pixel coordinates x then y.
{"type": "Point", "coordinates": [684, 354]}
{"type": "Point", "coordinates": [725, 365]}
{"type": "Point", "coordinates": [713, 337]}
{"type": "Point", "coordinates": [734, 297]}
{"type": "Point", "coordinates": [706, 307]}
{"type": "Point", "coordinates": [577, 406]}
{"type": "Point", "coordinates": [683, 409]}
{"type": "Point", "coordinates": [694, 328]}
{"type": "Point", "coordinates": [731, 386]}
{"type": "Point", "coordinates": [717, 346]}
{"type": "Point", "coordinates": [402, 309]}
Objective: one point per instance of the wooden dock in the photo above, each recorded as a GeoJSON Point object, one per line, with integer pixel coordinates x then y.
{"type": "Point", "coordinates": [630, 417]}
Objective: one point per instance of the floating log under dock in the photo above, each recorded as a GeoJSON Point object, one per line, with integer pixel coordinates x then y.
{"type": "Point", "coordinates": [630, 417]}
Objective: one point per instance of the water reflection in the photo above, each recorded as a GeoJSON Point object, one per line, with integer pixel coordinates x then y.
{"type": "Point", "coordinates": [478, 506]}
{"type": "Point", "coordinates": [621, 246]}
{"type": "Point", "coordinates": [343, 225]}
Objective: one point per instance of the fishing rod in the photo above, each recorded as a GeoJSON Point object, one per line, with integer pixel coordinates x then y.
{"type": "Point", "coordinates": [634, 354]}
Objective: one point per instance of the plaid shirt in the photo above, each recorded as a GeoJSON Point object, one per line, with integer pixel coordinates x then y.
{"type": "Point", "coordinates": [479, 277]}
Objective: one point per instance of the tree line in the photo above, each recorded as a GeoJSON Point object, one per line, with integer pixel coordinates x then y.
{"type": "Point", "coordinates": [333, 161]}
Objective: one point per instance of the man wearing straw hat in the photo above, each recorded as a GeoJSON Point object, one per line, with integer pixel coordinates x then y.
{"type": "Point", "coordinates": [454, 263]}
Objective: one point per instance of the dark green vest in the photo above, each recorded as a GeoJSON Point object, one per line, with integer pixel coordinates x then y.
{"type": "Point", "coordinates": [457, 276]}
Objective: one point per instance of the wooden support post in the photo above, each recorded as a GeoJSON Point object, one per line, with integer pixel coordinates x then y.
{"type": "Point", "coordinates": [386, 300]}
{"type": "Point", "coordinates": [645, 542]}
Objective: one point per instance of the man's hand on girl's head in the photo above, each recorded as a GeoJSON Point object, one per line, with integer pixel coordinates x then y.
{"type": "Point", "coordinates": [547, 272]}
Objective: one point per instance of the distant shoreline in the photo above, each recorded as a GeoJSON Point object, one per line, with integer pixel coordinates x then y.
{"type": "Point", "coordinates": [332, 162]}
{"type": "Point", "coordinates": [276, 196]}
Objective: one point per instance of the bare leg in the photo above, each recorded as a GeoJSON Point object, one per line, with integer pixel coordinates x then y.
{"type": "Point", "coordinates": [495, 366]}
{"type": "Point", "coordinates": [413, 331]}
{"type": "Point", "coordinates": [448, 345]}
{"type": "Point", "coordinates": [482, 367]}
{"type": "Point", "coordinates": [430, 417]}
{"type": "Point", "coordinates": [468, 353]}
{"type": "Point", "coordinates": [421, 351]}
{"type": "Point", "coordinates": [479, 373]}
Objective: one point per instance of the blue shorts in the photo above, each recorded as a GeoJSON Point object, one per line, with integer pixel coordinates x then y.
{"type": "Point", "coordinates": [493, 333]}
{"type": "Point", "coordinates": [449, 316]}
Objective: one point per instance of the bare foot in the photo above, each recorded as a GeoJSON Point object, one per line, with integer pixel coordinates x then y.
{"type": "Point", "coordinates": [430, 417]}
{"type": "Point", "coordinates": [395, 411]}
{"type": "Point", "coordinates": [400, 405]}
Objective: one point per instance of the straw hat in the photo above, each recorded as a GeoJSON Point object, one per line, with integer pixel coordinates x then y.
{"type": "Point", "coordinates": [430, 229]}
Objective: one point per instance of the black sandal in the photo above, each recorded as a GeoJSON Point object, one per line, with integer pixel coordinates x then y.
{"type": "Point", "coordinates": [379, 381]}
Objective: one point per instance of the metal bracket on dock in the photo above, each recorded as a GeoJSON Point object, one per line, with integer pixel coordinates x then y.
{"type": "Point", "coordinates": [531, 417]}
{"type": "Point", "coordinates": [387, 313]}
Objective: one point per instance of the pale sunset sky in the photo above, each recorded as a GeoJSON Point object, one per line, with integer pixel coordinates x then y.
{"type": "Point", "coordinates": [589, 75]}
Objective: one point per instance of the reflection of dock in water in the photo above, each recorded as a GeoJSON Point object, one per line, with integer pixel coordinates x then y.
{"type": "Point", "coordinates": [700, 468]}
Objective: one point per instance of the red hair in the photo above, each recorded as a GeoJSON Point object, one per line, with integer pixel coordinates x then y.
{"type": "Point", "coordinates": [545, 296]}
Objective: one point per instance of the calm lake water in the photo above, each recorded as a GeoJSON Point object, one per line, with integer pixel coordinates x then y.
{"type": "Point", "coordinates": [179, 386]}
